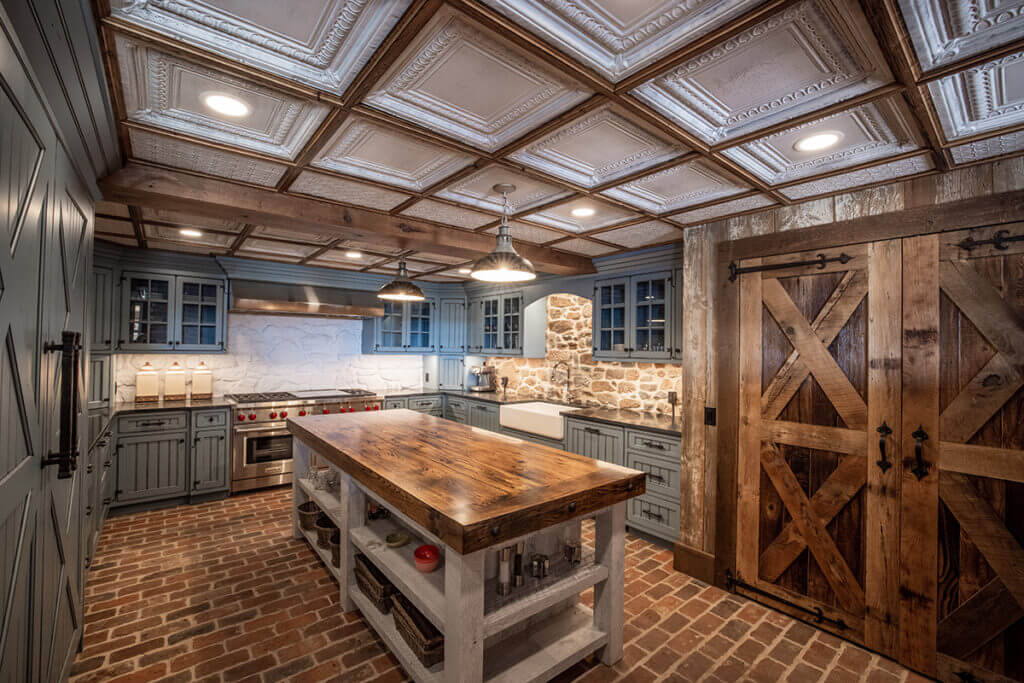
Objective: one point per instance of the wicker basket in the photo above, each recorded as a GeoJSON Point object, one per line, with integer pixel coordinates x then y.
{"type": "Point", "coordinates": [373, 584]}
{"type": "Point", "coordinates": [324, 528]}
{"type": "Point", "coordinates": [336, 548]}
{"type": "Point", "coordinates": [423, 638]}
{"type": "Point", "coordinates": [308, 513]}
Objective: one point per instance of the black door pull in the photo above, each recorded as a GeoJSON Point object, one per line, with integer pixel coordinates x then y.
{"type": "Point", "coordinates": [883, 433]}
{"type": "Point", "coordinates": [921, 466]}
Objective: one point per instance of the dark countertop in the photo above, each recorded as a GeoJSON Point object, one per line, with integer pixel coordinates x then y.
{"type": "Point", "coordinates": [122, 407]}
{"type": "Point", "coordinates": [656, 422]}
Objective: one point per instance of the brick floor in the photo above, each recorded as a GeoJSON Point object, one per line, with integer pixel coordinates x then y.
{"type": "Point", "coordinates": [221, 592]}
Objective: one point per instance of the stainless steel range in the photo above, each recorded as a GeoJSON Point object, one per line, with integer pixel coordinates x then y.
{"type": "Point", "coordinates": [261, 446]}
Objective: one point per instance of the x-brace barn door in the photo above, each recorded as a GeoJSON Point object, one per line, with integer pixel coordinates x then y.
{"type": "Point", "coordinates": [819, 461]}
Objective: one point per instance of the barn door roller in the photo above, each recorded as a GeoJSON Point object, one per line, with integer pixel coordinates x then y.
{"type": "Point", "coordinates": [820, 261]}
{"type": "Point", "coordinates": [1001, 241]}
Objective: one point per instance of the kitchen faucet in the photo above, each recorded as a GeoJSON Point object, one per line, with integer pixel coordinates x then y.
{"type": "Point", "coordinates": [568, 376]}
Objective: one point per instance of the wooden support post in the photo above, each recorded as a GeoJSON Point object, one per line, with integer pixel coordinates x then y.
{"type": "Point", "coordinates": [300, 464]}
{"type": "Point", "coordinates": [464, 617]}
{"type": "Point", "coordinates": [353, 515]}
{"type": "Point", "coordinates": [610, 551]}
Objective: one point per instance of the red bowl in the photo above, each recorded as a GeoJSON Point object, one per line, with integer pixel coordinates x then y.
{"type": "Point", "coordinates": [427, 558]}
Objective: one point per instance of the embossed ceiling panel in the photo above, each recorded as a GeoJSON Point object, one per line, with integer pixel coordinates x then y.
{"type": "Point", "coordinates": [346, 191]}
{"type": "Point", "coordinates": [337, 256]}
{"type": "Point", "coordinates": [272, 248]}
{"type": "Point", "coordinates": [981, 99]}
{"type": "Point", "coordinates": [599, 147]}
{"type": "Point", "coordinates": [866, 133]}
{"type": "Point", "coordinates": [207, 239]}
{"type": "Point", "coordinates": [988, 148]}
{"type": "Point", "coordinates": [192, 157]}
{"type": "Point", "coordinates": [168, 92]}
{"type": "Point", "coordinates": [561, 216]}
{"type": "Point", "coordinates": [617, 37]}
{"type": "Point", "coordinates": [322, 43]}
{"type": "Point", "coordinates": [707, 213]}
{"type": "Point", "coordinates": [292, 235]}
{"type": "Point", "coordinates": [642, 234]}
{"type": "Point", "coordinates": [367, 149]}
{"type": "Point", "coordinates": [674, 188]}
{"type": "Point", "coordinates": [525, 232]}
{"type": "Point", "coordinates": [585, 247]}
{"type": "Point", "coordinates": [865, 176]}
{"type": "Point", "coordinates": [460, 79]}
{"type": "Point", "coordinates": [477, 190]}
{"type": "Point", "coordinates": [440, 212]}
{"type": "Point", "coordinates": [945, 31]}
{"type": "Point", "coordinates": [805, 57]}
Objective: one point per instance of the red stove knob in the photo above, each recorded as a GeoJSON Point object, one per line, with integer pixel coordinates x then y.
{"type": "Point", "coordinates": [376, 407]}
{"type": "Point", "coordinates": [252, 416]}
{"type": "Point", "coordinates": [241, 418]}
{"type": "Point", "coordinates": [284, 413]}
{"type": "Point", "coordinates": [273, 415]}
{"type": "Point", "coordinates": [302, 413]}
{"type": "Point", "coordinates": [368, 407]}
{"type": "Point", "coordinates": [351, 410]}
{"type": "Point", "coordinates": [327, 411]}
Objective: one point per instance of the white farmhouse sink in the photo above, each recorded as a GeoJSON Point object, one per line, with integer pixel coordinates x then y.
{"type": "Point", "coordinates": [542, 419]}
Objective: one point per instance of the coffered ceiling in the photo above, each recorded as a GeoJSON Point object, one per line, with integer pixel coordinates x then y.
{"type": "Point", "coordinates": [618, 122]}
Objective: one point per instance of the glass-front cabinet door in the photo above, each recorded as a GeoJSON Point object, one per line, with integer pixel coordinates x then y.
{"type": "Point", "coordinates": [651, 315]}
{"type": "Point", "coordinates": [389, 337]}
{"type": "Point", "coordinates": [148, 312]}
{"type": "Point", "coordinates": [611, 327]}
{"type": "Point", "coordinates": [200, 322]}
{"type": "Point", "coordinates": [512, 323]}
{"type": "Point", "coordinates": [419, 337]}
{"type": "Point", "coordinates": [491, 320]}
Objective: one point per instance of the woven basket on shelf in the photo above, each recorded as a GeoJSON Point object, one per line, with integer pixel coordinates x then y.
{"type": "Point", "coordinates": [336, 548]}
{"type": "Point", "coordinates": [308, 512]}
{"type": "Point", "coordinates": [423, 638]}
{"type": "Point", "coordinates": [373, 584]}
{"type": "Point", "coordinates": [324, 528]}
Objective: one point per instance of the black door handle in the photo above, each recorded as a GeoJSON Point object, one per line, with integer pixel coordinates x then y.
{"type": "Point", "coordinates": [921, 466]}
{"type": "Point", "coordinates": [883, 433]}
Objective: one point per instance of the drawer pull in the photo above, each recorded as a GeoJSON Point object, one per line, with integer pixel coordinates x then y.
{"type": "Point", "coordinates": [657, 478]}
{"type": "Point", "coordinates": [106, 463]}
{"type": "Point", "coordinates": [591, 430]}
{"type": "Point", "coordinates": [153, 423]}
{"type": "Point", "coordinates": [653, 444]}
{"type": "Point", "coordinates": [653, 515]}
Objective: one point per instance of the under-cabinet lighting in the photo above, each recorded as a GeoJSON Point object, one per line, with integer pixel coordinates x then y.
{"type": "Point", "coordinates": [226, 105]}
{"type": "Point", "coordinates": [190, 232]}
{"type": "Point", "coordinates": [582, 212]}
{"type": "Point", "coordinates": [817, 142]}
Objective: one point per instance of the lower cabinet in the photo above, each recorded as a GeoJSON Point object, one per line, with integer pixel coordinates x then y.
{"type": "Point", "coordinates": [432, 405]}
{"type": "Point", "coordinates": [455, 408]}
{"type": "Point", "coordinates": [393, 403]}
{"type": "Point", "coordinates": [533, 438]}
{"type": "Point", "coordinates": [152, 466]}
{"type": "Point", "coordinates": [601, 442]}
{"type": "Point", "coordinates": [483, 415]}
{"type": "Point", "coordinates": [210, 471]}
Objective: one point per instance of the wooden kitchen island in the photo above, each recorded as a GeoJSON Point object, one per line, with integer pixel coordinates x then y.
{"type": "Point", "coordinates": [472, 493]}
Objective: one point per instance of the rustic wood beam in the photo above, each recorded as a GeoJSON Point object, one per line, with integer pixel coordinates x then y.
{"type": "Point", "coordinates": [165, 189]}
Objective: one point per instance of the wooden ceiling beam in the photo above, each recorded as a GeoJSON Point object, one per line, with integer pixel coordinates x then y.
{"type": "Point", "coordinates": [139, 185]}
{"type": "Point", "coordinates": [136, 217]}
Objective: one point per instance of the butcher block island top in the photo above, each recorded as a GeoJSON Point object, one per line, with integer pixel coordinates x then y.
{"type": "Point", "coordinates": [469, 487]}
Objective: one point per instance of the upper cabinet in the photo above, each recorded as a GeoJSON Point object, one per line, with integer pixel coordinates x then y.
{"type": "Point", "coordinates": [405, 327]}
{"type": "Point", "coordinates": [171, 313]}
{"type": "Point", "coordinates": [496, 324]}
{"type": "Point", "coordinates": [634, 317]}
{"type": "Point", "coordinates": [451, 328]}
{"type": "Point", "coordinates": [101, 329]}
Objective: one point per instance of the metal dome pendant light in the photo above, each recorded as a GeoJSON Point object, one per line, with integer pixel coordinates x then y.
{"type": "Point", "coordinates": [503, 264]}
{"type": "Point", "coordinates": [401, 288]}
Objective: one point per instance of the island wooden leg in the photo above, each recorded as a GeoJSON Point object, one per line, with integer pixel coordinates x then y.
{"type": "Point", "coordinates": [352, 514]}
{"type": "Point", "coordinates": [610, 551]}
{"type": "Point", "coordinates": [300, 465]}
{"type": "Point", "coordinates": [464, 617]}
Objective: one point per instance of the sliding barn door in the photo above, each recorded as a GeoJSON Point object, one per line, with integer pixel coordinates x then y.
{"type": "Point", "coordinates": [819, 461]}
{"type": "Point", "coordinates": [980, 525]}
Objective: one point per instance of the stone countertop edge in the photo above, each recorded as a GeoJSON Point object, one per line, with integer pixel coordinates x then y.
{"type": "Point", "coordinates": [125, 407]}
{"type": "Point", "coordinates": [654, 422]}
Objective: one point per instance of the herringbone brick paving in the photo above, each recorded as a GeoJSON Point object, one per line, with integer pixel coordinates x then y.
{"type": "Point", "coordinates": [221, 592]}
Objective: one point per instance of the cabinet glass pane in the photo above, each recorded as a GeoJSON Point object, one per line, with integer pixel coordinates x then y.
{"type": "Point", "coordinates": [649, 315]}
{"type": "Point", "coordinates": [419, 324]}
{"type": "Point", "coordinates": [209, 315]}
{"type": "Point", "coordinates": [148, 312]}
{"type": "Point", "coordinates": [190, 313]}
{"type": "Point", "coordinates": [611, 317]}
{"type": "Point", "coordinates": [208, 334]}
{"type": "Point", "coordinates": [190, 334]}
{"type": "Point", "coordinates": [491, 323]}
{"type": "Point", "coordinates": [391, 325]}
{"type": "Point", "coordinates": [190, 291]}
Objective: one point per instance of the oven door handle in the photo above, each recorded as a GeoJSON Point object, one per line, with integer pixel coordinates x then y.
{"type": "Point", "coordinates": [265, 430]}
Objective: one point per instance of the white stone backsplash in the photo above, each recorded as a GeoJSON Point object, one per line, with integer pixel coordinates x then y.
{"type": "Point", "coordinates": [279, 353]}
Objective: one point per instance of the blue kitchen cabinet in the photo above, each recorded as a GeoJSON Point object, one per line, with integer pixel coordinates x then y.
{"type": "Point", "coordinates": [634, 317]}
{"type": "Point", "coordinates": [496, 324]}
{"type": "Point", "coordinates": [451, 328]}
{"type": "Point", "coordinates": [405, 327]}
{"type": "Point", "coordinates": [451, 373]}
{"type": "Point", "coordinates": [162, 312]}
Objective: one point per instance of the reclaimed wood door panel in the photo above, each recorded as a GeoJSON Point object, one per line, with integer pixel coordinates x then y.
{"type": "Point", "coordinates": [980, 532]}
{"type": "Point", "coordinates": [816, 522]}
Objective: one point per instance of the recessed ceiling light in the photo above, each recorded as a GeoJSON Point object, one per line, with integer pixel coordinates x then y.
{"type": "Point", "coordinates": [817, 142]}
{"type": "Point", "coordinates": [226, 105]}
{"type": "Point", "coordinates": [353, 254]}
{"type": "Point", "coordinates": [190, 232]}
{"type": "Point", "coordinates": [465, 271]}
{"type": "Point", "coordinates": [582, 212]}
